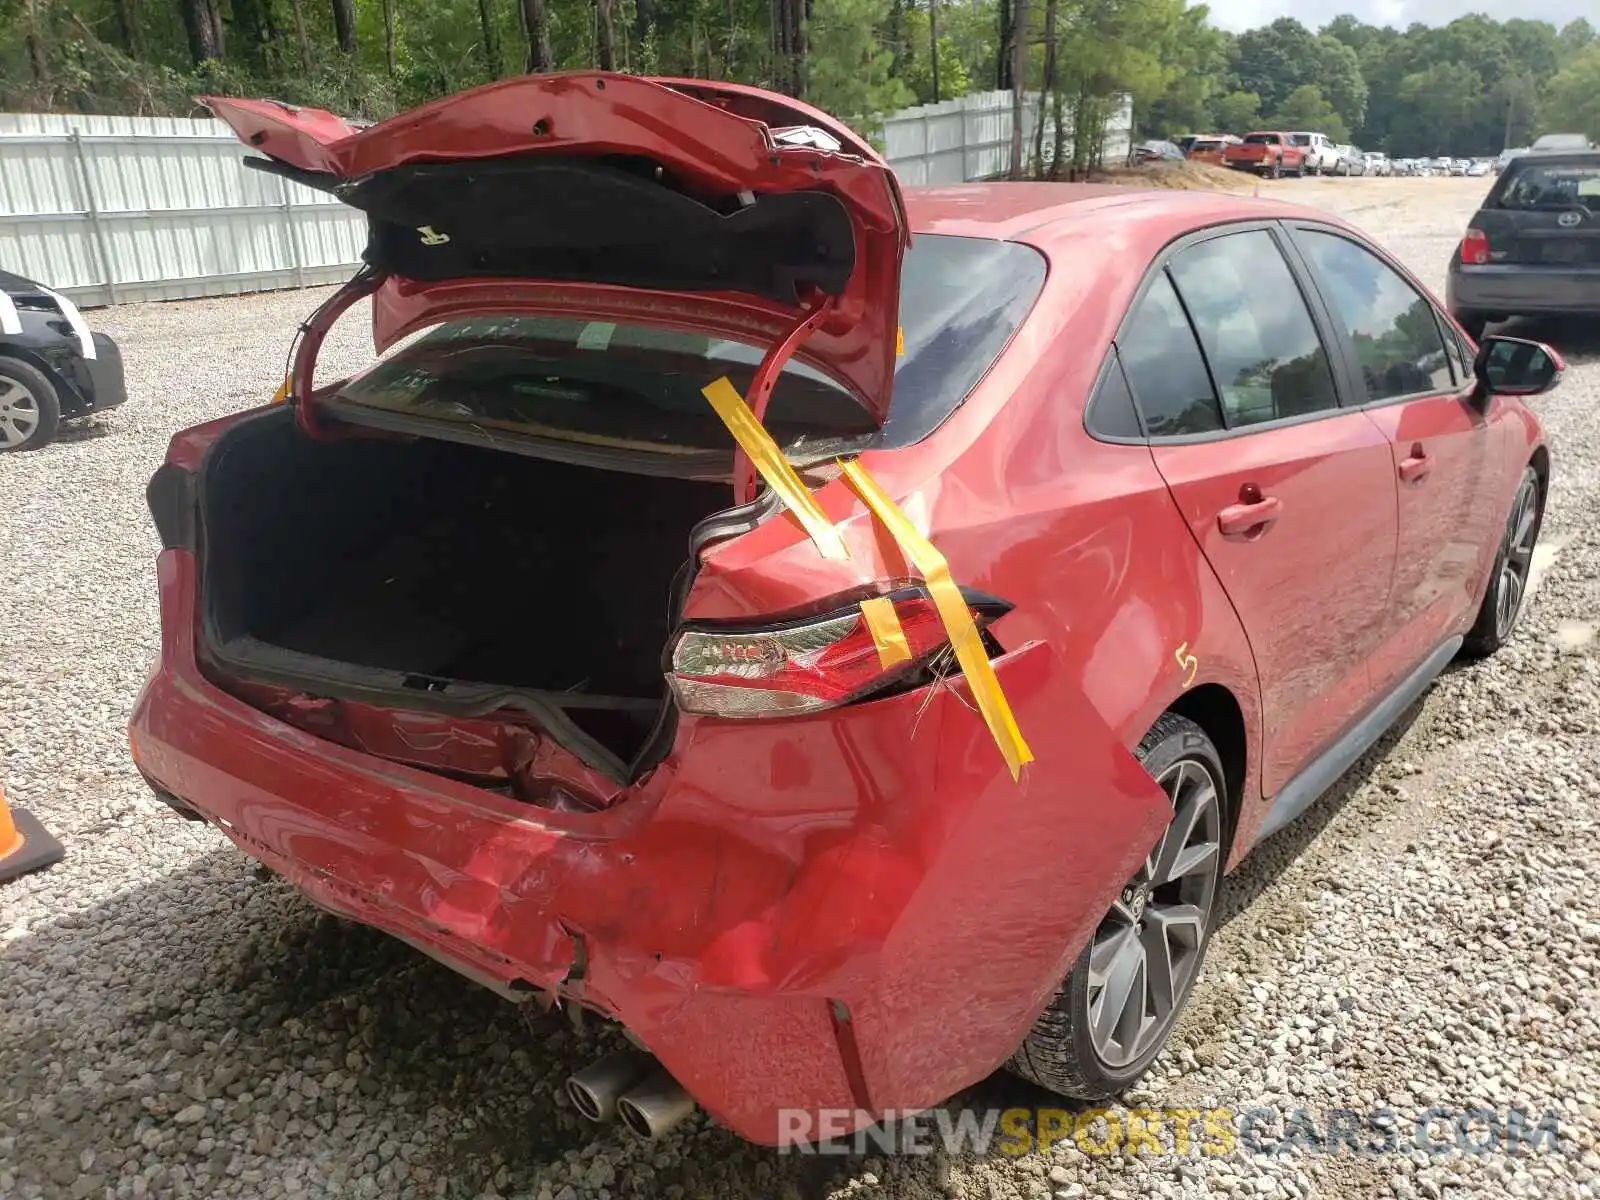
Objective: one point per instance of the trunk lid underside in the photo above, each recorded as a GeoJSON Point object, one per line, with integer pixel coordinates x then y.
{"type": "Point", "coordinates": [674, 202]}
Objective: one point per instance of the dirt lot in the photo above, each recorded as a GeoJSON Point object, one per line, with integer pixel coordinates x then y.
{"type": "Point", "coordinates": [174, 1023]}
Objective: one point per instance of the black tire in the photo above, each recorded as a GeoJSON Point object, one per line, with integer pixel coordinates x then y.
{"type": "Point", "coordinates": [1513, 561]}
{"type": "Point", "coordinates": [1275, 171]}
{"type": "Point", "coordinates": [1059, 1052]}
{"type": "Point", "coordinates": [44, 406]}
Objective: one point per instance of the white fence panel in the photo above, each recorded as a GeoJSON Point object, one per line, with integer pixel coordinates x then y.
{"type": "Point", "coordinates": [111, 209]}
{"type": "Point", "coordinates": [959, 140]}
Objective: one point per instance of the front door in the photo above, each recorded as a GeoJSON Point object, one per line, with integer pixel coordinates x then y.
{"type": "Point", "coordinates": [1291, 499]}
{"type": "Point", "coordinates": [1443, 452]}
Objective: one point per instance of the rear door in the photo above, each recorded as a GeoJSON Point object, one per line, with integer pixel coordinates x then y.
{"type": "Point", "coordinates": [1291, 499]}
{"type": "Point", "coordinates": [1445, 452]}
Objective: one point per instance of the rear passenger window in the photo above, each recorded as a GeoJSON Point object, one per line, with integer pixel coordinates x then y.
{"type": "Point", "coordinates": [1164, 367]}
{"type": "Point", "coordinates": [1255, 328]}
{"type": "Point", "coordinates": [1392, 328]}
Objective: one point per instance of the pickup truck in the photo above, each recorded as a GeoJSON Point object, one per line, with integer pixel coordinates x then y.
{"type": "Point", "coordinates": [1269, 154]}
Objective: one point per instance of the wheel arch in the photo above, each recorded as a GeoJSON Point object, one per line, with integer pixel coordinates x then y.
{"type": "Point", "coordinates": [1217, 711]}
{"type": "Point", "coordinates": [63, 386]}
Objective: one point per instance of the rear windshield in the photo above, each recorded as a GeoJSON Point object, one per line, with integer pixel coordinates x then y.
{"type": "Point", "coordinates": [1205, 144]}
{"type": "Point", "coordinates": [1552, 185]}
{"type": "Point", "coordinates": [638, 387]}
{"type": "Point", "coordinates": [1261, 139]}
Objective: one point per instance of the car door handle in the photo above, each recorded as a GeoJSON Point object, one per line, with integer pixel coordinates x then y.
{"type": "Point", "coordinates": [1251, 519]}
{"type": "Point", "coordinates": [1415, 468]}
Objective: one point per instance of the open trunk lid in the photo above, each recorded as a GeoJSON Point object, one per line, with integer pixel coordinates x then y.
{"type": "Point", "coordinates": [682, 203]}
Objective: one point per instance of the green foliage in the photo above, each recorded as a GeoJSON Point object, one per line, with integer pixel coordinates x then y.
{"type": "Point", "coordinates": [917, 67]}
{"type": "Point", "coordinates": [1307, 108]}
{"type": "Point", "coordinates": [1470, 86]}
{"type": "Point", "coordinates": [849, 62]}
{"type": "Point", "coordinates": [1572, 104]}
{"type": "Point", "coordinates": [1237, 112]}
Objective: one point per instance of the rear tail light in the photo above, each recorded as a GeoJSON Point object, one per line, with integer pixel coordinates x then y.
{"type": "Point", "coordinates": [1475, 247]}
{"type": "Point", "coordinates": [807, 666]}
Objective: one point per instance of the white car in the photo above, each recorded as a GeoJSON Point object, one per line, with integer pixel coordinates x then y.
{"type": "Point", "coordinates": [1378, 163]}
{"type": "Point", "coordinates": [1477, 169]}
{"type": "Point", "coordinates": [1322, 156]}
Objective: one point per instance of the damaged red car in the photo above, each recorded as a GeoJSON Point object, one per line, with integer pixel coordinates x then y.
{"type": "Point", "coordinates": [507, 646]}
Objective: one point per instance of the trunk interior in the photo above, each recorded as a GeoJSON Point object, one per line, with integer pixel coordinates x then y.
{"type": "Point", "coordinates": [446, 563]}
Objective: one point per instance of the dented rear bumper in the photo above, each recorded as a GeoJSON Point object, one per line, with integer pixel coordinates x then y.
{"type": "Point", "coordinates": [858, 910]}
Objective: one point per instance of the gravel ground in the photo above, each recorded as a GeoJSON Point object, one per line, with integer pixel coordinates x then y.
{"type": "Point", "coordinates": [174, 1023]}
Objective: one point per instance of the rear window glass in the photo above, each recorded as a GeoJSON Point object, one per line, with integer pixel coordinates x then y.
{"type": "Point", "coordinates": [1206, 144]}
{"type": "Point", "coordinates": [1261, 139]}
{"type": "Point", "coordinates": [1552, 185]}
{"type": "Point", "coordinates": [638, 387]}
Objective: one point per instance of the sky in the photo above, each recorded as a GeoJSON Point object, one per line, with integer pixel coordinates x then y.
{"type": "Point", "coordinates": [1247, 14]}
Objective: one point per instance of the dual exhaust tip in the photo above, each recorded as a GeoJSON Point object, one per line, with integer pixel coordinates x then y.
{"type": "Point", "coordinates": [631, 1087]}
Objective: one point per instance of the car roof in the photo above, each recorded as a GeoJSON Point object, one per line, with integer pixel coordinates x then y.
{"type": "Point", "coordinates": [1037, 213]}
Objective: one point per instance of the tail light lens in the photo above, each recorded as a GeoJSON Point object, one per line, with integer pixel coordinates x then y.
{"type": "Point", "coordinates": [806, 666]}
{"type": "Point", "coordinates": [1475, 247]}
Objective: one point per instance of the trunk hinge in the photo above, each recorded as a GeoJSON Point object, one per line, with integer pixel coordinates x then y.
{"type": "Point", "coordinates": [761, 385]}
{"type": "Point", "coordinates": [313, 332]}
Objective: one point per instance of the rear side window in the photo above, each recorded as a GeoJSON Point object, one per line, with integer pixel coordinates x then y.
{"type": "Point", "coordinates": [1255, 329]}
{"type": "Point", "coordinates": [1162, 361]}
{"type": "Point", "coordinates": [637, 387]}
{"type": "Point", "coordinates": [1393, 330]}
{"type": "Point", "coordinates": [1534, 185]}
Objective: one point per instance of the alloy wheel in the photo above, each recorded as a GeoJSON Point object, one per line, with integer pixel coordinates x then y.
{"type": "Point", "coordinates": [1516, 558]}
{"type": "Point", "coordinates": [19, 414]}
{"type": "Point", "coordinates": [1147, 950]}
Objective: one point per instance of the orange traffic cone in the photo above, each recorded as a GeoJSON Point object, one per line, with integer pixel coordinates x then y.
{"type": "Point", "coordinates": [24, 844]}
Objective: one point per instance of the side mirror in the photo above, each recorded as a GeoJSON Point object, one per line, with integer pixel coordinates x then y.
{"type": "Point", "coordinates": [1509, 366]}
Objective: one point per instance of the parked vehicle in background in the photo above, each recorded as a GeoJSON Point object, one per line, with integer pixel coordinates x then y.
{"type": "Point", "coordinates": [1269, 154]}
{"type": "Point", "coordinates": [1321, 155]}
{"type": "Point", "coordinates": [1378, 163]}
{"type": "Point", "coordinates": [1533, 247]}
{"type": "Point", "coordinates": [1503, 159]}
{"type": "Point", "coordinates": [1477, 169]}
{"type": "Point", "coordinates": [1442, 164]}
{"type": "Point", "coordinates": [1561, 143]}
{"type": "Point", "coordinates": [548, 687]}
{"type": "Point", "coordinates": [52, 367]}
{"type": "Point", "coordinates": [1209, 148]}
{"type": "Point", "coordinates": [1156, 151]}
{"type": "Point", "coordinates": [1351, 161]}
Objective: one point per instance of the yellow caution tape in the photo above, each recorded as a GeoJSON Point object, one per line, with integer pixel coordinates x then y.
{"type": "Point", "coordinates": [884, 625]}
{"type": "Point", "coordinates": [878, 612]}
{"type": "Point", "coordinates": [958, 623]}
{"type": "Point", "coordinates": [758, 445]}
{"type": "Point", "coordinates": [282, 394]}
{"type": "Point", "coordinates": [899, 342]}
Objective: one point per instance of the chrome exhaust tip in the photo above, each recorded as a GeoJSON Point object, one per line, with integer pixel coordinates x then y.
{"type": "Point", "coordinates": [595, 1090]}
{"type": "Point", "coordinates": [654, 1106]}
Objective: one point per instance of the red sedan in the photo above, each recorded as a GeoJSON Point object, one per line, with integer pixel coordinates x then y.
{"type": "Point", "coordinates": [501, 645]}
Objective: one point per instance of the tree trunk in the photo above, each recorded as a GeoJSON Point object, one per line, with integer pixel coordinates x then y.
{"type": "Point", "coordinates": [644, 16]}
{"type": "Point", "coordinates": [388, 35]}
{"type": "Point", "coordinates": [1002, 58]}
{"type": "Point", "coordinates": [344, 25]}
{"type": "Point", "coordinates": [933, 44]}
{"type": "Point", "coordinates": [534, 16]}
{"type": "Point", "coordinates": [203, 25]}
{"type": "Point", "coordinates": [1047, 87]}
{"type": "Point", "coordinates": [605, 36]}
{"type": "Point", "coordinates": [1019, 75]}
{"type": "Point", "coordinates": [300, 36]}
{"type": "Point", "coordinates": [491, 40]}
{"type": "Point", "coordinates": [130, 31]}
